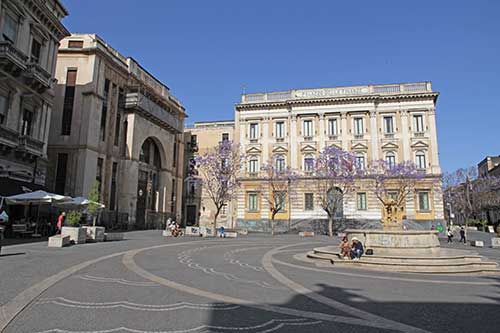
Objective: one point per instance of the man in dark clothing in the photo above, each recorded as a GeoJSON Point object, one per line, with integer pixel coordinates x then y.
{"type": "Point", "coordinates": [356, 249]}
{"type": "Point", "coordinates": [462, 235]}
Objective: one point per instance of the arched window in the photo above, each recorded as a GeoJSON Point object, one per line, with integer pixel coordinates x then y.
{"type": "Point", "coordinates": [150, 153]}
{"type": "Point", "coordinates": [308, 163]}
{"type": "Point", "coordinates": [253, 164]}
{"type": "Point", "coordinates": [420, 159]}
{"type": "Point", "coordinates": [360, 161]}
{"type": "Point", "coordinates": [390, 159]}
{"type": "Point", "coordinates": [280, 163]}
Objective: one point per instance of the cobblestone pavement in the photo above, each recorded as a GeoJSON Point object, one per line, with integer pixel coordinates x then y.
{"type": "Point", "coordinates": [148, 283]}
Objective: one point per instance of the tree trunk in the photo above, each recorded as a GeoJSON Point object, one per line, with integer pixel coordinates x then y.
{"type": "Point", "coordinates": [330, 226]}
{"type": "Point", "coordinates": [272, 223]}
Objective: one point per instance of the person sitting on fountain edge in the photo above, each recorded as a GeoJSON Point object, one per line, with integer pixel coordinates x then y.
{"type": "Point", "coordinates": [356, 249]}
{"type": "Point", "coordinates": [345, 248]}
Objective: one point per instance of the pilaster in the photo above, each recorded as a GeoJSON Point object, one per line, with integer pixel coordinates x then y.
{"type": "Point", "coordinates": [345, 133]}
{"type": "Point", "coordinates": [435, 168]}
{"type": "Point", "coordinates": [321, 131]}
{"type": "Point", "coordinates": [293, 142]}
{"type": "Point", "coordinates": [374, 135]}
{"type": "Point", "coordinates": [405, 137]}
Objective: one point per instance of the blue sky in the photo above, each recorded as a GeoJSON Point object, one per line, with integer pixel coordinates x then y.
{"type": "Point", "coordinates": [207, 51]}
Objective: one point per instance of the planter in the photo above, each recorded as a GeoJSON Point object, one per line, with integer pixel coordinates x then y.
{"type": "Point", "coordinates": [58, 241]}
{"type": "Point", "coordinates": [76, 234]}
{"type": "Point", "coordinates": [94, 234]}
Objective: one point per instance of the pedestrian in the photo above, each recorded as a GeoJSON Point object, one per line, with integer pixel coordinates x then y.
{"type": "Point", "coordinates": [345, 248]}
{"type": "Point", "coordinates": [60, 222]}
{"type": "Point", "coordinates": [356, 249]}
{"type": "Point", "coordinates": [221, 232]}
{"type": "Point", "coordinates": [462, 235]}
{"type": "Point", "coordinates": [450, 236]}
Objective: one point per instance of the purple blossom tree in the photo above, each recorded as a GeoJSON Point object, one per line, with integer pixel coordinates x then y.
{"type": "Point", "coordinates": [277, 188]}
{"type": "Point", "coordinates": [218, 169]}
{"type": "Point", "coordinates": [393, 184]}
{"type": "Point", "coordinates": [335, 171]}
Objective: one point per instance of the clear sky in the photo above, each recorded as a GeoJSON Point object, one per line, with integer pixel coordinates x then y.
{"type": "Point", "coordinates": [208, 51]}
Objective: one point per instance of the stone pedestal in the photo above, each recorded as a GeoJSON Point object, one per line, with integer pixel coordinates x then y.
{"type": "Point", "coordinates": [495, 242]}
{"type": "Point", "coordinates": [58, 241]}
{"type": "Point", "coordinates": [76, 234]}
{"type": "Point", "coordinates": [192, 231]}
{"type": "Point", "coordinates": [94, 234]}
{"type": "Point", "coordinates": [398, 242]}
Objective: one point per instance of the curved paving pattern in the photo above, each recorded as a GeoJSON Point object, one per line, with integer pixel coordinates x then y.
{"type": "Point", "coordinates": [251, 284]}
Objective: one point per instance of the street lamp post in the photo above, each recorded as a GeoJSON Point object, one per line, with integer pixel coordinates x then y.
{"type": "Point", "coordinates": [289, 205]}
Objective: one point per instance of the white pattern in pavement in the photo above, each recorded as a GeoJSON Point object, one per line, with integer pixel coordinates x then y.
{"type": "Point", "coordinates": [228, 256]}
{"type": "Point", "coordinates": [118, 281]}
{"type": "Point", "coordinates": [186, 259]}
{"type": "Point", "coordinates": [269, 326]}
{"type": "Point", "coordinates": [137, 306]}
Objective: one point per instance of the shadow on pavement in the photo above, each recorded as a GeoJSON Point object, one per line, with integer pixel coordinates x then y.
{"type": "Point", "coordinates": [12, 254]}
{"type": "Point", "coordinates": [444, 316]}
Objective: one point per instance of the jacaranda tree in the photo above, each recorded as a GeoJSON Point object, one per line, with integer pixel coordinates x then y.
{"type": "Point", "coordinates": [276, 188]}
{"type": "Point", "coordinates": [335, 172]}
{"type": "Point", "coordinates": [218, 169]}
{"type": "Point", "coordinates": [393, 184]}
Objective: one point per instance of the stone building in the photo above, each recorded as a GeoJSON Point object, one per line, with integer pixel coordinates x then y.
{"type": "Point", "coordinates": [198, 208]}
{"type": "Point", "coordinates": [116, 125]}
{"type": "Point", "coordinates": [31, 31]}
{"type": "Point", "coordinates": [394, 122]}
{"type": "Point", "coordinates": [489, 166]}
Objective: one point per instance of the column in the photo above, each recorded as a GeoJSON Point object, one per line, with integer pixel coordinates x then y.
{"type": "Point", "coordinates": [293, 142]}
{"type": "Point", "coordinates": [321, 131]}
{"type": "Point", "coordinates": [374, 135]}
{"type": "Point", "coordinates": [265, 141]}
{"type": "Point", "coordinates": [345, 133]}
{"type": "Point", "coordinates": [433, 151]}
{"type": "Point", "coordinates": [405, 139]}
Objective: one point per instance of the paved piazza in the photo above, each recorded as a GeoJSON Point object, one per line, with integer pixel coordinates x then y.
{"type": "Point", "coordinates": [148, 283]}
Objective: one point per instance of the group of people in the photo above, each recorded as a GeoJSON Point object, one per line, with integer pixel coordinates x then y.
{"type": "Point", "coordinates": [351, 250]}
{"type": "Point", "coordinates": [174, 227]}
{"type": "Point", "coordinates": [462, 236]}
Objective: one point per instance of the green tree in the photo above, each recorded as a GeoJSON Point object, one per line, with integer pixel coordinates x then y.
{"type": "Point", "coordinates": [94, 205]}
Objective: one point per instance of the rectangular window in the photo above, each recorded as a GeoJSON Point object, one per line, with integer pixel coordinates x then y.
{"type": "Point", "coordinates": [254, 131]}
{"type": "Point", "coordinates": [75, 44]}
{"type": "Point", "coordinates": [98, 176]}
{"type": "Point", "coordinates": [280, 200]}
{"type": "Point", "coordinates": [280, 130]}
{"type": "Point", "coordinates": [62, 164]}
{"type": "Point", "coordinates": [390, 160]}
{"type": "Point", "coordinates": [225, 136]}
{"type": "Point", "coordinates": [223, 210]}
{"type": "Point", "coordinates": [253, 166]}
{"type": "Point", "coordinates": [361, 201]}
{"type": "Point", "coordinates": [308, 128]}
{"type": "Point", "coordinates": [10, 28]}
{"type": "Point", "coordinates": [253, 202]}
{"type": "Point", "coordinates": [308, 164]}
{"type": "Point", "coordinates": [27, 124]}
{"type": "Point", "coordinates": [423, 201]}
{"type": "Point", "coordinates": [194, 139]}
{"type": "Point", "coordinates": [3, 108]}
{"type": "Point", "coordinates": [112, 198]}
{"type": "Point", "coordinates": [360, 162]}
{"type": "Point", "coordinates": [358, 126]}
{"type": "Point", "coordinates": [36, 48]}
{"type": "Point", "coordinates": [333, 127]}
{"type": "Point", "coordinates": [69, 99]}
{"type": "Point", "coordinates": [174, 160]}
{"type": "Point", "coordinates": [420, 160]}
{"type": "Point", "coordinates": [418, 123]}
{"type": "Point", "coordinates": [388, 125]}
{"type": "Point", "coordinates": [309, 201]}
{"type": "Point", "coordinates": [280, 164]}
{"type": "Point", "coordinates": [104, 112]}
{"type": "Point", "coordinates": [392, 195]}
{"type": "Point", "coordinates": [121, 109]}
{"type": "Point", "coordinates": [172, 198]}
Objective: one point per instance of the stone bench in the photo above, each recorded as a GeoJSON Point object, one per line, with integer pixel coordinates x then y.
{"type": "Point", "coordinates": [228, 234]}
{"type": "Point", "coordinates": [495, 242]}
{"type": "Point", "coordinates": [477, 243]}
{"type": "Point", "coordinates": [58, 241]}
{"type": "Point", "coordinates": [306, 234]}
{"type": "Point", "coordinates": [114, 236]}
{"type": "Point", "coordinates": [192, 231]}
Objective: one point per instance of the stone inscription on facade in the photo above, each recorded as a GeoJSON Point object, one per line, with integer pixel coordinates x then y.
{"type": "Point", "coordinates": [319, 93]}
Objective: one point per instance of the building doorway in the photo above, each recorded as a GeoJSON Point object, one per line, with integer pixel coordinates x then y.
{"type": "Point", "coordinates": [191, 213]}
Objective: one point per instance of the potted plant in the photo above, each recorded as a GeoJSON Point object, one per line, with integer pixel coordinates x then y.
{"type": "Point", "coordinates": [73, 230]}
{"type": "Point", "coordinates": [94, 234]}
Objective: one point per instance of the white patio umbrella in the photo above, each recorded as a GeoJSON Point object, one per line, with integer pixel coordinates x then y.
{"type": "Point", "coordinates": [36, 198]}
{"type": "Point", "coordinates": [79, 202]}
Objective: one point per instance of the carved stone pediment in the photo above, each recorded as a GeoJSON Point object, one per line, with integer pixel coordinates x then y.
{"type": "Point", "coordinates": [280, 149]}
{"type": "Point", "coordinates": [390, 146]}
{"type": "Point", "coordinates": [336, 145]}
{"type": "Point", "coordinates": [253, 150]}
{"type": "Point", "coordinates": [359, 146]}
{"type": "Point", "coordinates": [419, 145]}
{"type": "Point", "coordinates": [308, 148]}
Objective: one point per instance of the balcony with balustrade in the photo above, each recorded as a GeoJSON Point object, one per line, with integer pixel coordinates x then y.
{"type": "Point", "coordinates": [12, 60]}
{"type": "Point", "coordinates": [37, 77]}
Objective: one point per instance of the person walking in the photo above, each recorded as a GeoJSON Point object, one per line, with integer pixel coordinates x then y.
{"type": "Point", "coordinates": [60, 222]}
{"type": "Point", "coordinates": [450, 236]}
{"type": "Point", "coordinates": [462, 235]}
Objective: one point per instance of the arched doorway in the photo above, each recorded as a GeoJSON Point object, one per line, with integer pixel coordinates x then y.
{"type": "Point", "coordinates": [335, 197]}
{"type": "Point", "coordinates": [148, 181]}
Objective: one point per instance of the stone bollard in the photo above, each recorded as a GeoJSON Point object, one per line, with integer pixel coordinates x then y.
{"type": "Point", "coordinates": [477, 243]}
{"type": "Point", "coordinates": [495, 242]}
